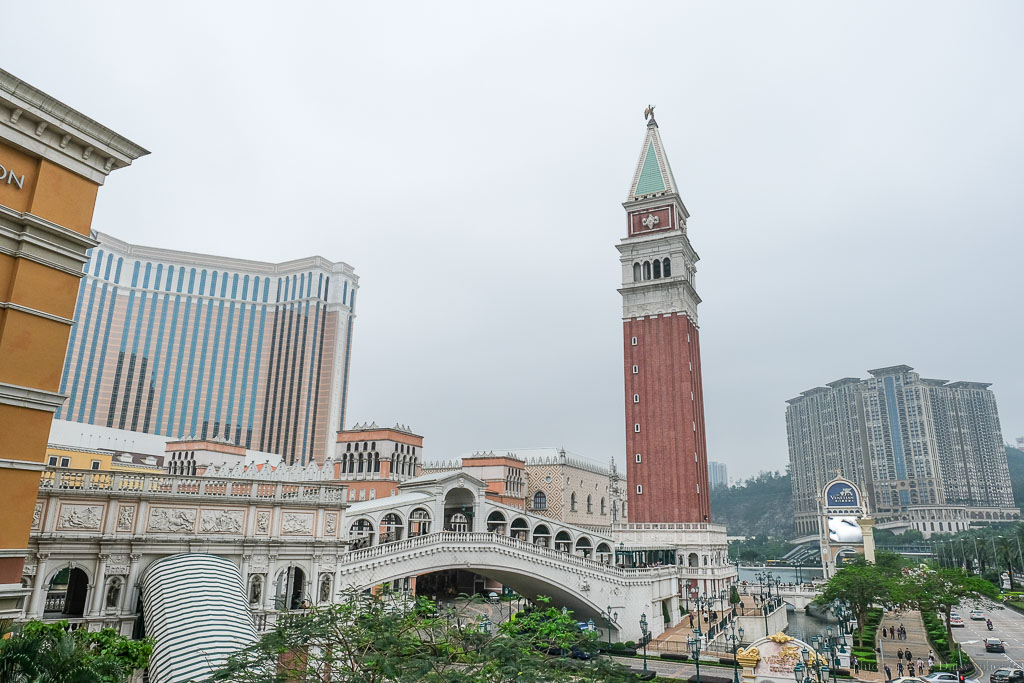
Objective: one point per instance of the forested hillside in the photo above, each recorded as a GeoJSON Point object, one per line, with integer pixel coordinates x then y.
{"type": "Point", "coordinates": [762, 505]}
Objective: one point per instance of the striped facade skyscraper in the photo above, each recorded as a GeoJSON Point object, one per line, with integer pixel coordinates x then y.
{"type": "Point", "coordinates": [927, 453]}
{"type": "Point", "coordinates": [181, 344]}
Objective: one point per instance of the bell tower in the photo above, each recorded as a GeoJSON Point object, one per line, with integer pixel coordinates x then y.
{"type": "Point", "coordinates": [666, 452]}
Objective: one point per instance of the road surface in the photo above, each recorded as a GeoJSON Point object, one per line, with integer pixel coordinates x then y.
{"type": "Point", "coordinates": [1007, 625]}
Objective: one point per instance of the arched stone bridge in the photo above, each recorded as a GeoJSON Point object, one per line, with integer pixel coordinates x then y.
{"type": "Point", "coordinates": [585, 586]}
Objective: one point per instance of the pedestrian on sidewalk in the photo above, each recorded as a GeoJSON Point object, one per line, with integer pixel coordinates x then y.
{"type": "Point", "coordinates": [903, 632]}
{"type": "Point", "coordinates": [908, 655]}
{"type": "Point", "coordinates": [856, 664]}
{"type": "Point", "coordinates": [892, 632]}
{"type": "Point", "coordinates": [888, 674]}
{"type": "Point", "coordinates": [910, 668]}
{"type": "Point", "coordinates": [899, 656]}
{"type": "Point", "coordinates": [899, 667]}
{"type": "Point", "coordinates": [885, 632]}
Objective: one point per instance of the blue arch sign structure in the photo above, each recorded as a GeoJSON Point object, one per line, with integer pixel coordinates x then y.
{"type": "Point", "coordinates": [841, 494]}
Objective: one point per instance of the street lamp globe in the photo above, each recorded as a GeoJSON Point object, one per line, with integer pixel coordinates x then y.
{"type": "Point", "coordinates": [798, 672]}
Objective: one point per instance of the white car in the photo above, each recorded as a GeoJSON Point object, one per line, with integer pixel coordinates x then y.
{"type": "Point", "coordinates": [945, 677]}
{"type": "Point", "coordinates": [977, 615]}
{"type": "Point", "coordinates": [956, 620]}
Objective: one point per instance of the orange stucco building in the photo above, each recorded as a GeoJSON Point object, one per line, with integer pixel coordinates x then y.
{"type": "Point", "coordinates": [53, 160]}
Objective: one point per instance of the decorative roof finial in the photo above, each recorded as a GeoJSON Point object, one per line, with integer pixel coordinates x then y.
{"type": "Point", "coordinates": [649, 115]}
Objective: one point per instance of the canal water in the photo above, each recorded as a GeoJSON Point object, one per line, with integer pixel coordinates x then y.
{"type": "Point", "coordinates": [801, 624]}
{"type": "Point", "coordinates": [783, 574]}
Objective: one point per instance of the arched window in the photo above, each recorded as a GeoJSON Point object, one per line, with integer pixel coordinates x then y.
{"type": "Point", "coordinates": [636, 272]}
{"type": "Point", "coordinates": [647, 270]}
{"type": "Point", "coordinates": [657, 269]}
{"type": "Point", "coordinates": [603, 508]}
{"type": "Point", "coordinates": [666, 267]}
{"type": "Point", "coordinates": [391, 528]}
{"type": "Point", "coordinates": [572, 502]}
{"type": "Point", "coordinates": [590, 505]}
{"type": "Point", "coordinates": [360, 534]}
{"type": "Point", "coordinates": [419, 523]}
{"type": "Point", "coordinates": [459, 522]}
{"type": "Point", "coordinates": [540, 501]}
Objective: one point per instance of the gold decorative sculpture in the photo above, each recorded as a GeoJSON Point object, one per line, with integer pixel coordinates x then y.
{"type": "Point", "coordinates": [781, 637]}
{"type": "Point", "coordinates": [748, 656]}
{"type": "Point", "coordinates": [649, 112]}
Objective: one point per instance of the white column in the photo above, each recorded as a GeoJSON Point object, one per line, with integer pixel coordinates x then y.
{"type": "Point", "coordinates": [314, 580]}
{"type": "Point", "coordinates": [270, 587]}
{"type": "Point", "coordinates": [95, 602]}
{"type": "Point", "coordinates": [39, 588]}
{"type": "Point", "coordinates": [128, 599]}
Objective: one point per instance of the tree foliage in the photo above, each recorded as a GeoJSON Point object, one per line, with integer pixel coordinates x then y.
{"type": "Point", "coordinates": [860, 585]}
{"type": "Point", "coordinates": [940, 589]}
{"type": "Point", "coordinates": [48, 653]}
{"type": "Point", "coordinates": [760, 506]}
{"type": "Point", "coordinates": [369, 639]}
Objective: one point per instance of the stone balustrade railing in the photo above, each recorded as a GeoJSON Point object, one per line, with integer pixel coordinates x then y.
{"type": "Point", "coordinates": [450, 538]}
{"type": "Point", "coordinates": [131, 483]}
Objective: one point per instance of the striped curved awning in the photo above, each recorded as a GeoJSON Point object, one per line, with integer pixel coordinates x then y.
{"type": "Point", "coordinates": [196, 612]}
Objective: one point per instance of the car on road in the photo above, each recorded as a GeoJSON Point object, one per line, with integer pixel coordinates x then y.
{"type": "Point", "coordinates": [946, 677]}
{"type": "Point", "coordinates": [994, 645]}
{"type": "Point", "coordinates": [956, 620]}
{"type": "Point", "coordinates": [977, 615]}
{"type": "Point", "coordinates": [1006, 676]}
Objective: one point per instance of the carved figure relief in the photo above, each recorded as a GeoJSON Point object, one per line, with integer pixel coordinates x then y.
{"type": "Point", "coordinates": [80, 517]}
{"type": "Point", "coordinates": [125, 517]}
{"type": "Point", "coordinates": [297, 523]}
{"type": "Point", "coordinates": [172, 520]}
{"type": "Point", "coordinates": [262, 522]}
{"type": "Point", "coordinates": [221, 521]}
{"type": "Point", "coordinates": [330, 524]}
{"type": "Point", "coordinates": [37, 515]}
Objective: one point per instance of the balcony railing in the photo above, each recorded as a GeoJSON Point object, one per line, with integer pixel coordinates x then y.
{"type": "Point", "coordinates": [106, 483]}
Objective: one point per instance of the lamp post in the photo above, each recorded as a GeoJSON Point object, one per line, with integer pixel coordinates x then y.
{"type": "Point", "coordinates": [485, 625]}
{"type": "Point", "coordinates": [694, 644]}
{"type": "Point", "coordinates": [610, 617]}
{"type": "Point", "coordinates": [735, 637]}
{"type": "Point", "coordinates": [798, 673]}
{"type": "Point", "coordinates": [643, 631]}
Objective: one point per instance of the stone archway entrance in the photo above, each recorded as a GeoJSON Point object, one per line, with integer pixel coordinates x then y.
{"type": "Point", "coordinates": [66, 593]}
{"type": "Point", "coordinates": [459, 510]}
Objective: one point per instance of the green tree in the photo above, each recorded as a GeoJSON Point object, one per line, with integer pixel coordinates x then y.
{"type": "Point", "coordinates": [734, 595]}
{"type": "Point", "coordinates": [860, 584]}
{"type": "Point", "coordinates": [45, 653]}
{"type": "Point", "coordinates": [372, 639]}
{"type": "Point", "coordinates": [940, 589]}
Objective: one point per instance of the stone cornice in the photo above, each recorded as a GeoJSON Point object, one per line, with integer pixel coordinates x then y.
{"type": "Point", "coordinates": [27, 397]}
{"type": "Point", "coordinates": [35, 121]}
{"type": "Point", "coordinates": [123, 248]}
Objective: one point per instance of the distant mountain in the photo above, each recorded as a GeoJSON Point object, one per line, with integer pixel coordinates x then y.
{"type": "Point", "coordinates": [762, 505]}
{"type": "Point", "coordinates": [1015, 459]}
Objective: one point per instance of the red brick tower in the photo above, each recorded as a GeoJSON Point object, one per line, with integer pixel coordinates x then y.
{"type": "Point", "coordinates": [666, 453]}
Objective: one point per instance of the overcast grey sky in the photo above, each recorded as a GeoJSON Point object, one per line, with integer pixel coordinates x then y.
{"type": "Point", "coordinates": [853, 171]}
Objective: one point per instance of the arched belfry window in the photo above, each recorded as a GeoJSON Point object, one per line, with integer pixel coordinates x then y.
{"type": "Point", "coordinates": [636, 272]}
{"type": "Point", "coordinates": [666, 267]}
{"type": "Point", "coordinates": [572, 501]}
{"type": "Point", "coordinates": [657, 269]}
{"type": "Point", "coordinates": [647, 270]}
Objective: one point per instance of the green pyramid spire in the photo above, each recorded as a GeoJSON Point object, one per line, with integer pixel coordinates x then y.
{"type": "Point", "coordinates": [651, 179]}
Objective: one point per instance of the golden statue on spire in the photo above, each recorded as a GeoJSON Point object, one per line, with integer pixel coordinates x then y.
{"type": "Point", "coordinates": [649, 112]}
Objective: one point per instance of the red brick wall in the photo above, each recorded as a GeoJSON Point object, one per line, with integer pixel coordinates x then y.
{"type": "Point", "coordinates": [667, 356]}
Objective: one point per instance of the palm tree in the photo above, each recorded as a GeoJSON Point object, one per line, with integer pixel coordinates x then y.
{"type": "Point", "coordinates": [45, 654]}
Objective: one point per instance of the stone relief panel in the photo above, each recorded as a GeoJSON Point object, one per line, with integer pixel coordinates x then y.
{"type": "Point", "coordinates": [298, 523]}
{"type": "Point", "coordinates": [331, 524]}
{"type": "Point", "coordinates": [172, 520]}
{"type": "Point", "coordinates": [37, 515]}
{"type": "Point", "coordinates": [262, 522]}
{"type": "Point", "coordinates": [117, 565]}
{"type": "Point", "coordinates": [125, 517]}
{"type": "Point", "coordinates": [80, 517]}
{"type": "Point", "coordinates": [221, 521]}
